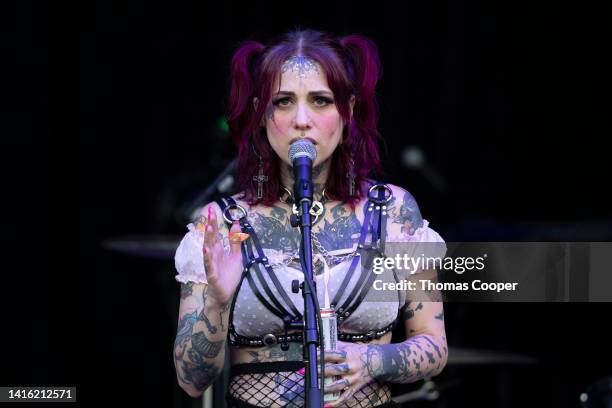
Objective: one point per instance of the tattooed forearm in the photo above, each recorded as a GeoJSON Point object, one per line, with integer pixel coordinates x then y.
{"type": "Point", "coordinates": [199, 348]}
{"type": "Point", "coordinates": [406, 362]}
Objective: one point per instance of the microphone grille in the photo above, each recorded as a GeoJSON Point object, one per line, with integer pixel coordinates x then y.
{"type": "Point", "coordinates": [302, 148]}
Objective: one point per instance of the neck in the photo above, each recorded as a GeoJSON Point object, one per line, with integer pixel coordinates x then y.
{"type": "Point", "coordinates": [319, 176]}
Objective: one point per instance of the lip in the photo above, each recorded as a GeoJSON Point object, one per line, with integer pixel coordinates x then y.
{"type": "Point", "coordinates": [295, 139]}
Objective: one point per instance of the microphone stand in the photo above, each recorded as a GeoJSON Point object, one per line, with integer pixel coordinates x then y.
{"type": "Point", "coordinates": [303, 193]}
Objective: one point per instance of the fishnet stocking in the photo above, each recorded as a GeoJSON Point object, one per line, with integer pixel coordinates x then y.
{"type": "Point", "coordinates": [286, 390]}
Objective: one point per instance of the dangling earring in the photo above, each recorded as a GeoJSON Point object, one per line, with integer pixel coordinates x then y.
{"type": "Point", "coordinates": [260, 178]}
{"type": "Point", "coordinates": [350, 175]}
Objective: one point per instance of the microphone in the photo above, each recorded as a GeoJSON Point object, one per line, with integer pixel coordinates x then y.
{"type": "Point", "coordinates": [302, 155]}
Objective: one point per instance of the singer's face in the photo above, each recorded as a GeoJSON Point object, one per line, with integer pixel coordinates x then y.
{"type": "Point", "coordinates": [303, 108]}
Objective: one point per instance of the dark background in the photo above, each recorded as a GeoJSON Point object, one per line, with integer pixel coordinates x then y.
{"type": "Point", "coordinates": [504, 99]}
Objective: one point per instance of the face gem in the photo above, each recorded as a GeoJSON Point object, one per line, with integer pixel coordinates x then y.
{"type": "Point", "coordinates": [300, 65]}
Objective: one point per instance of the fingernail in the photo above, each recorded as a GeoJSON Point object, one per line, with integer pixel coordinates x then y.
{"type": "Point", "coordinates": [301, 371]}
{"type": "Point", "coordinates": [326, 406]}
{"type": "Point", "coordinates": [209, 211]}
{"type": "Point", "coordinates": [205, 250]}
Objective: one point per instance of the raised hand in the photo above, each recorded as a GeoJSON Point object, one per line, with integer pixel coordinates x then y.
{"type": "Point", "coordinates": [223, 269]}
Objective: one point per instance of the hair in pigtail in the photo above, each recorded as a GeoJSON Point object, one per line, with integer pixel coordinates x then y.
{"type": "Point", "coordinates": [240, 110]}
{"type": "Point", "coordinates": [365, 66]}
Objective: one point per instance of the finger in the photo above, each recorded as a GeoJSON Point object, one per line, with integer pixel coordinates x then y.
{"type": "Point", "coordinates": [210, 238]}
{"type": "Point", "coordinates": [336, 369]}
{"type": "Point", "coordinates": [212, 220]}
{"type": "Point", "coordinates": [346, 395]}
{"type": "Point", "coordinates": [335, 356]}
{"type": "Point", "coordinates": [337, 386]}
{"type": "Point", "coordinates": [236, 236]}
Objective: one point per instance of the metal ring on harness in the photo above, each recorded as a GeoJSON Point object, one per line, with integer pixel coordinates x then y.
{"type": "Point", "coordinates": [227, 215]}
{"type": "Point", "coordinates": [378, 200]}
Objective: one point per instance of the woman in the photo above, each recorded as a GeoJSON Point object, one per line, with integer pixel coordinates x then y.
{"type": "Point", "coordinates": [310, 85]}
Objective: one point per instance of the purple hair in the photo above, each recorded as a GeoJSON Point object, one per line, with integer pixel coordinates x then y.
{"type": "Point", "coordinates": [352, 67]}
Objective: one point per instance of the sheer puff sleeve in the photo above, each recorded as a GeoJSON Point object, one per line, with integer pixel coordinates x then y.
{"type": "Point", "coordinates": [189, 256]}
{"type": "Point", "coordinates": [424, 243]}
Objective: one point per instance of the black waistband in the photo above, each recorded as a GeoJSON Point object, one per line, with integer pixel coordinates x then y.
{"type": "Point", "coordinates": [268, 367]}
{"type": "Point", "coordinates": [236, 339]}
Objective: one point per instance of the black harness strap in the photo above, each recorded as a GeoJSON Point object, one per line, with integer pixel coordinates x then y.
{"type": "Point", "coordinates": [250, 260]}
{"type": "Point", "coordinates": [277, 284]}
{"type": "Point", "coordinates": [367, 277]}
{"type": "Point", "coordinates": [355, 261]}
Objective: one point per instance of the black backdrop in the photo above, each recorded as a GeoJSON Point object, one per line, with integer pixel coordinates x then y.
{"type": "Point", "coordinates": [503, 98]}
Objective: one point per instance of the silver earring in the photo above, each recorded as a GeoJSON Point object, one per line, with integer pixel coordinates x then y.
{"type": "Point", "coordinates": [350, 175]}
{"type": "Point", "coordinates": [260, 178]}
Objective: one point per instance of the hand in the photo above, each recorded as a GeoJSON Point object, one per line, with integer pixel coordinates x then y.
{"type": "Point", "coordinates": [223, 269]}
{"type": "Point", "coordinates": [351, 367]}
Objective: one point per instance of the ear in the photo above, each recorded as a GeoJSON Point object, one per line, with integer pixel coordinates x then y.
{"type": "Point", "coordinates": [352, 104]}
{"type": "Point", "coordinates": [255, 105]}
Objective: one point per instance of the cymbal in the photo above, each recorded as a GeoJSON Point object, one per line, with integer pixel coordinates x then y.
{"type": "Point", "coordinates": [146, 246]}
{"type": "Point", "coordinates": [461, 356]}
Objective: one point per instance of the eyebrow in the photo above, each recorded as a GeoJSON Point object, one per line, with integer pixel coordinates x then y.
{"type": "Point", "coordinates": [309, 93]}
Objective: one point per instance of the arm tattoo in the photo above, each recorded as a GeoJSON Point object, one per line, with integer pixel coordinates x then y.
{"type": "Point", "coordinates": [203, 318]}
{"type": "Point", "coordinates": [408, 312]}
{"type": "Point", "coordinates": [186, 289]}
{"type": "Point", "coordinates": [405, 362]}
{"type": "Point", "coordinates": [222, 311]}
{"type": "Point", "coordinates": [409, 215]}
{"type": "Point", "coordinates": [199, 375]}
{"type": "Point", "coordinates": [202, 347]}
{"type": "Point", "coordinates": [183, 334]}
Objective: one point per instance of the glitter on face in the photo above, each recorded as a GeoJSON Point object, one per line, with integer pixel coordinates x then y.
{"type": "Point", "coordinates": [299, 64]}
